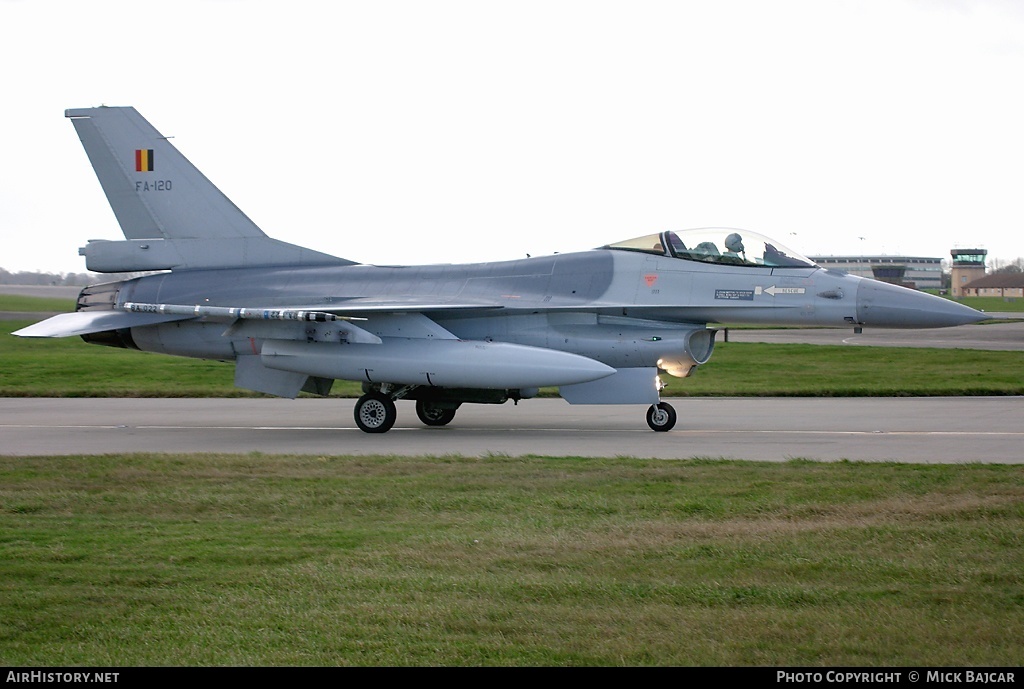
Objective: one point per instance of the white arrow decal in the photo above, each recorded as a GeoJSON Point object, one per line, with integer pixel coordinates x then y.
{"type": "Point", "coordinates": [773, 290]}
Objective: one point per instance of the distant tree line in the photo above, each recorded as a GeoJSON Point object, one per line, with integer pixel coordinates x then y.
{"type": "Point", "coordinates": [1000, 266]}
{"type": "Point", "coordinates": [24, 277]}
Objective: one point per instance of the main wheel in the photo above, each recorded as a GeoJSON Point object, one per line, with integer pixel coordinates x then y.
{"type": "Point", "coordinates": [661, 417]}
{"type": "Point", "coordinates": [375, 413]}
{"type": "Point", "coordinates": [433, 415]}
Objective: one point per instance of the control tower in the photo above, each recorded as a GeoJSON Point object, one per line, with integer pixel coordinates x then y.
{"type": "Point", "coordinates": [968, 265]}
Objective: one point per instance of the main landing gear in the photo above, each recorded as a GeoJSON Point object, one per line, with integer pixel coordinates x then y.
{"type": "Point", "coordinates": [375, 411]}
{"type": "Point", "coordinates": [661, 416]}
{"type": "Point", "coordinates": [433, 414]}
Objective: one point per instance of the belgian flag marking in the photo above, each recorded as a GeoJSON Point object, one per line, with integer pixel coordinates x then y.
{"type": "Point", "coordinates": [144, 160]}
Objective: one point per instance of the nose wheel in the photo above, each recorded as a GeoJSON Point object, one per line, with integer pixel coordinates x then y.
{"type": "Point", "coordinates": [661, 416]}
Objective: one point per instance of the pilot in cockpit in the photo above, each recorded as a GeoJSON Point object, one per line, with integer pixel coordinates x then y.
{"type": "Point", "coordinates": [734, 248]}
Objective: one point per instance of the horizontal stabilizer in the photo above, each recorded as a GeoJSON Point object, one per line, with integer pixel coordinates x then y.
{"type": "Point", "coordinates": [85, 322]}
{"type": "Point", "coordinates": [105, 256]}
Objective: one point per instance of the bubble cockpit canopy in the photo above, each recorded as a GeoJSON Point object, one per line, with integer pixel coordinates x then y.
{"type": "Point", "coordinates": [717, 245]}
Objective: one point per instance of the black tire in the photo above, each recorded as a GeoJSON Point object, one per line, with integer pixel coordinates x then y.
{"type": "Point", "coordinates": [433, 415]}
{"type": "Point", "coordinates": [375, 413]}
{"type": "Point", "coordinates": [661, 417]}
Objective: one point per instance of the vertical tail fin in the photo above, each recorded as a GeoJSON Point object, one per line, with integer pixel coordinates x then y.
{"type": "Point", "coordinates": [153, 189]}
{"type": "Point", "coordinates": [170, 213]}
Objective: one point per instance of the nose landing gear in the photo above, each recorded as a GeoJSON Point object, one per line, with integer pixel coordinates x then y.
{"type": "Point", "coordinates": [661, 416]}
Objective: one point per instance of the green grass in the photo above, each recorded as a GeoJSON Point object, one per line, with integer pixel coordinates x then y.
{"type": "Point", "coordinates": [14, 302]}
{"type": "Point", "coordinates": [835, 371]}
{"type": "Point", "coordinates": [993, 304]}
{"type": "Point", "coordinates": [68, 367]}
{"type": "Point", "coordinates": [389, 561]}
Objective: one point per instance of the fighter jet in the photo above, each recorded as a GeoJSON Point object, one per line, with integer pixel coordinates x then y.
{"type": "Point", "coordinates": [602, 326]}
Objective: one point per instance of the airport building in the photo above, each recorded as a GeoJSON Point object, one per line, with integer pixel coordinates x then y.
{"type": "Point", "coordinates": [968, 266]}
{"type": "Point", "coordinates": [918, 272]}
{"type": "Point", "coordinates": [1004, 285]}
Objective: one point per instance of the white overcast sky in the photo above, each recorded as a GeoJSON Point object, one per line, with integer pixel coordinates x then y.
{"type": "Point", "coordinates": [427, 131]}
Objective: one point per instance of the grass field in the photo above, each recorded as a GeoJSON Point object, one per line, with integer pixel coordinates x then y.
{"type": "Point", "coordinates": [15, 302]}
{"type": "Point", "coordinates": [391, 561]}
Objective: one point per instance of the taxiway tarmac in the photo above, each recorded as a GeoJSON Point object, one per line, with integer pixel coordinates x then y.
{"type": "Point", "coordinates": [912, 430]}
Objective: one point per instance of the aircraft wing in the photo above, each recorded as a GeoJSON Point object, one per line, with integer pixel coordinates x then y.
{"type": "Point", "coordinates": [133, 315]}
{"type": "Point", "coordinates": [85, 322]}
{"type": "Point", "coordinates": [399, 318]}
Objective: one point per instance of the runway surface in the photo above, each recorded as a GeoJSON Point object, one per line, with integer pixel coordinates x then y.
{"type": "Point", "coordinates": [912, 430]}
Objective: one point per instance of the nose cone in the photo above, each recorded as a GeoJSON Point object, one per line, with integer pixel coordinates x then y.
{"type": "Point", "coordinates": [882, 305]}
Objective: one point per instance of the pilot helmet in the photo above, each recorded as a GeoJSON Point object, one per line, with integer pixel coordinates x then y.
{"type": "Point", "coordinates": [734, 243]}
